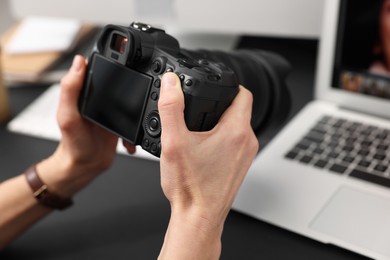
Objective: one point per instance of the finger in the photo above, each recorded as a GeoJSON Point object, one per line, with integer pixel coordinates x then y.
{"type": "Point", "coordinates": [71, 85]}
{"type": "Point", "coordinates": [240, 110]}
{"type": "Point", "coordinates": [67, 114]}
{"type": "Point", "coordinates": [171, 106]}
{"type": "Point", "coordinates": [131, 149]}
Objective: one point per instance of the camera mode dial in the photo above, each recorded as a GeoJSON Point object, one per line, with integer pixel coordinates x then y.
{"type": "Point", "coordinates": [188, 63]}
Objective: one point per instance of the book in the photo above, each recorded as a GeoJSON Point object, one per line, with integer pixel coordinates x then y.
{"type": "Point", "coordinates": [33, 64]}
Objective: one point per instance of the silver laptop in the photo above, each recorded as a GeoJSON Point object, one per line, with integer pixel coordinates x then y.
{"type": "Point", "coordinates": [326, 175]}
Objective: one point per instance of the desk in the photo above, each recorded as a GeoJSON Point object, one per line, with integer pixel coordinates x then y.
{"type": "Point", "coordinates": [124, 214]}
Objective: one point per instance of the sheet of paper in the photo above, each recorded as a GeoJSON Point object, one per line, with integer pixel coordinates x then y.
{"type": "Point", "coordinates": [43, 34]}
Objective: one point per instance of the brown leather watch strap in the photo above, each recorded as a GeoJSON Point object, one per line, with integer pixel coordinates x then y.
{"type": "Point", "coordinates": [41, 192]}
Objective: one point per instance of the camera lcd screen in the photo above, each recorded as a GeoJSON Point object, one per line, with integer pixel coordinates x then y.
{"type": "Point", "coordinates": [115, 97]}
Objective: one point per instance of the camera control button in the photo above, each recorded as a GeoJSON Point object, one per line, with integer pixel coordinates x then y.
{"type": "Point", "coordinates": [157, 83]}
{"type": "Point", "coordinates": [156, 66]}
{"type": "Point", "coordinates": [189, 63]}
{"type": "Point", "coordinates": [169, 70]}
{"type": "Point", "coordinates": [152, 124]}
{"type": "Point", "coordinates": [154, 147]}
{"type": "Point", "coordinates": [159, 65]}
{"type": "Point", "coordinates": [188, 82]}
{"type": "Point", "coordinates": [154, 96]}
{"type": "Point", "coordinates": [146, 143]}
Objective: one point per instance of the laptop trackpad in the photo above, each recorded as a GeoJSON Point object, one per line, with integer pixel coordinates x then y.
{"type": "Point", "coordinates": [357, 217]}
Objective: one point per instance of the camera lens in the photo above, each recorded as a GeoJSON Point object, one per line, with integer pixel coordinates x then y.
{"type": "Point", "coordinates": [119, 43]}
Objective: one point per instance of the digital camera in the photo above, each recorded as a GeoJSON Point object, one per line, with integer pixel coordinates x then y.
{"type": "Point", "coordinates": [122, 85]}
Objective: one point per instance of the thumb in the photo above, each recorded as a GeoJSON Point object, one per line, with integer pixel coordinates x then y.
{"type": "Point", "coordinates": [171, 107]}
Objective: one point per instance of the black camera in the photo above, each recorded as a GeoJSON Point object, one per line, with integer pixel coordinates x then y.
{"type": "Point", "coordinates": [121, 89]}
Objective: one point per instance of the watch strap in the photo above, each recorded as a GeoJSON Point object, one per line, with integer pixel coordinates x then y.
{"type": "Point", "coordinates": [41, 192]}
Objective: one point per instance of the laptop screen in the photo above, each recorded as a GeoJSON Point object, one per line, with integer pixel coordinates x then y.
{"type": "Point", "coordinates": [362, 61]}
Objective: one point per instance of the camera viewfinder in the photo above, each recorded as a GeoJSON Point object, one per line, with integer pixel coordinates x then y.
{"type": "Point", "coordinates": [118, 43]}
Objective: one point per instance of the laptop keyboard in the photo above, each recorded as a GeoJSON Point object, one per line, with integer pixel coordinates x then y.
{"type": "Point", "coordinates": [346, 147]}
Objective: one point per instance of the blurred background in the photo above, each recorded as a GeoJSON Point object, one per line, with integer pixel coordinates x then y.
{"type": "Point", "coordinates": [299, 18]}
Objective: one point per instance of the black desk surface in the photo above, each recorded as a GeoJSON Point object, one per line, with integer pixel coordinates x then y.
{"type": "Point", "coordinates": [124, 214]}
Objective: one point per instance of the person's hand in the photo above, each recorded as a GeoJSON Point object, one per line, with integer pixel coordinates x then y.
{"type": "Point", "coordinates": [201, 172]}
{"type": "Point", "coordinates": [85, 150]}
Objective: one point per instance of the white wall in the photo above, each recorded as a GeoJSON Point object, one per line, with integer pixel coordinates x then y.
{"type": "Point", "coordinates": [6, 19]}
{"type": "Point", "coordinates": [290, 18]}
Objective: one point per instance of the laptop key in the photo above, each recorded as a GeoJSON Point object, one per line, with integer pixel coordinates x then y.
{"type": "Point", "coordinates": [333, 155]}
{"type": "Point", "coordinates": [382, 147]}
{"type": "Point", "coordinates": [304, 144]}
{"type": "Point", "coordinates": [380, 168]}
{"type": "Point", "coordinates": [315, 137]}
{"type": "Point", "coordinates": [321, 163]}
{"type": "Point", "coordinates": [382, 136]}
{"type": "Point", "coordinates": [366, 143]}
{"type": "Point", "coordinates": [348, 159]}
{"type": "Point", "coordinates": [350, 140]}
{"type": "Point", "coordinates": [339, 123]}
{"type": "Point", "coordinates": [379, 156]}
{"type": "Point", "coordinates": [325, 119]}
{"type": "Point", "coordinates": [306, 159]}
{"type": "Point", "coordinates": [319, 129]}
{"type": "Point", "coordinates": [348, 148]}
{"type": "Point", "coordinates": [364, 163]}
{"type": "Point", "coordinates": [338, 168]}
{"type": "Point", "coordinates": [363, 152]}
{"type": "Point", "coordinates": [370, 177]}
{"type": "Point", "coordinates": [291, 154]}
{"type": "Point", "coordinates": [318, 150]}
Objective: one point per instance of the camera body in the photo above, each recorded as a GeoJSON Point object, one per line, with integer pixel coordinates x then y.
{"type": "Point", "coordinates": [122, 85]}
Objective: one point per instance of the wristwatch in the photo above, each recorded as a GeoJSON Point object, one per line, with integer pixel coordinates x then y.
{"type": "Point", "coordinates": [41, 192]}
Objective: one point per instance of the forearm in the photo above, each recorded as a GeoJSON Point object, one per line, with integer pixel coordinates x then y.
{"type": "Point", "coordinates": [19, 209]}
{"type": "Point", "coordinates": [191, 236]}
{"type": "Point", "coordinates": [18, 206]}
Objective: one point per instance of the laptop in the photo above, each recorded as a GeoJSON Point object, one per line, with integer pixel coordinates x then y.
{"type": "Point", "coordinates": [326, 175]}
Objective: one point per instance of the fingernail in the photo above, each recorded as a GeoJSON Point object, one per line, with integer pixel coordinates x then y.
{"type": "Point", "coordinates": [169, 80]}
{"type": "Point", "coordinates": [77, 63]}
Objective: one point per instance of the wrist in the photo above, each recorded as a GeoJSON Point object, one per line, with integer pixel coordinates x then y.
{"type": "Point", "coordinates": [63, 176]}
{"type": "Point", "coordinates": [42, 193]}
{"type": "Point", "coordinates": [202, 219]}
{"type": "Point", "coordinates": [192, 235]}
